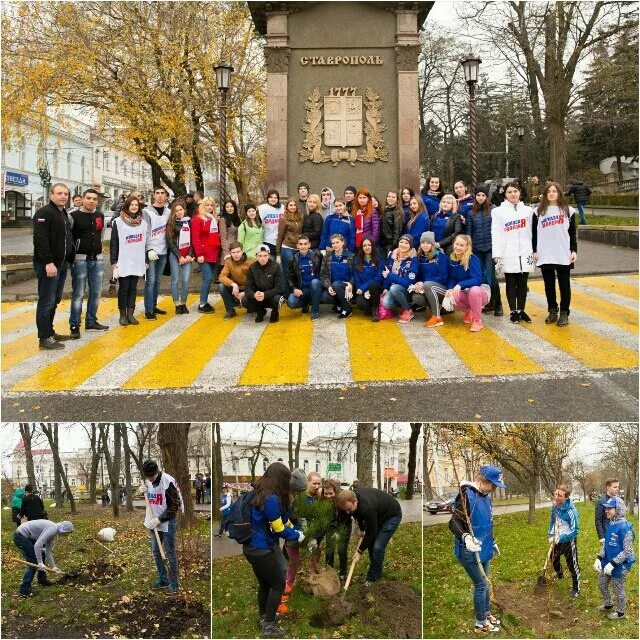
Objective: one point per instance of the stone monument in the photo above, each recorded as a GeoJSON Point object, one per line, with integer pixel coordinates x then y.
{"type": "Point", "coordinates": [342, 93]}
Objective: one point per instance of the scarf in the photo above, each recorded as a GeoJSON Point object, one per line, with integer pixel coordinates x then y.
{"type": "Point", "coordinates": [127, 219]}
{"type": "Point", "coordinates": [213, 227]}
{"type": "Point", "coordinates": [184, 240]}
{"type": "Point", "coordinates": [359, 227]}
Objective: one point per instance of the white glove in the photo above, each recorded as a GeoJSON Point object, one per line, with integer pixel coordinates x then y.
{"type": "Point", "coordinates": [551, 539]}
{"type": "Point", "coordinates": [348, 293]}
{"type": "Point", "coordinates": [154, 523]}
{"type": "Point", "coordinates": [597, 565]}
{"type": "Point", "coordinates": [471, 543]}
{"type": "Point", "coordinates": [367, 294]}
{"type": "Point", "coordinates": [496, 549]}
{"type": "Point", "coordinates": [312, 546]}
{"type": "Point", "coordinates": [411, 288]}
{"type": "Point", "coordinates": [300, 536]}
{"type": "Point", "coordinates": [57, 569]}
{"type": "Point", "coordinates": [152, 254]}
{"type": "Point", "coordinates": [41, 566]}
{"type": "Point", "coordinates": [114, 272]}
{"type": "Point", "coordinates": [608, 570]}
{"type": "Point", "coordinates": [601, 541]}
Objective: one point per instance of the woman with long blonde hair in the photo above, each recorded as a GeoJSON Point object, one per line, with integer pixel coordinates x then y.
{"type": "Point", "coordinates": [205, 237]}
{"type": "Point", "coordinates": [447, 223]}
{"type": "Point", "coordinates": [312, 223]}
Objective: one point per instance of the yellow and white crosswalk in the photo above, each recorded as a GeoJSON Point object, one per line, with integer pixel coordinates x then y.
{"type": "Point", "coordinates": [204, 352]}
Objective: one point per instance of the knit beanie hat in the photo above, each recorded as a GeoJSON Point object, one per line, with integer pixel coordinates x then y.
{"type": "Point", "coordinates": [481, 189]}
{"type": "Point", "coordinates": [352, 189]}
{"type": "Point", "coordinates": [298, 480]}
{"type": "Point", "coordinates": [408, 237]}
{"type": "Point", "coordinates": [149, 469]}
{"type": "Point", "coordinates": [428, 236]}
{"type": "Point", "coordinates": [303, 184]}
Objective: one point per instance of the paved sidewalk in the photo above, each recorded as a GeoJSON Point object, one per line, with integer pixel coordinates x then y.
{"type": "Point", "coordinates": [594, 258]}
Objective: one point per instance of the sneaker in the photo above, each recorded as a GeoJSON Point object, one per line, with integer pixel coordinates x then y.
{"type": "Point", "coordinates": [604, 607]}
{"type": "Point", "coordinates": [96, 326]}
{"type": "Point", "coordinates": [159, 312]}
{"type": "Point", "coordinates": [314, 315]}
{"type": "Point", "coordinates": [179, 311]}
{"type": "Point", "coordinates": [28, 595]}
{"type": "Point", "coordinates": [207, 308]}
{"type": "Point", "coordinates": [486, 627]}
{"type": "Point", "coordinates": [374, 316]}
{"type": "Point", "coordinates": [345, 314]}
{"type": "Point", "coordinates": [468, 318]}
{"type": "Point", "coordinates": [50, 344]}
{"type": "Point", "coordinates": [368, 583]}
{"type": "Point", "coordinates": [172, 587]}
{"type": "Point", "coordinates": [405, 316]}
{"type": "Point", "coordinates": [260, 315]}
{"type": "Point", "coordinates": [305, 309]}
{"type": "Point", "coordinates": [150, 315]}
{"type": "Point", "coordinates": [514, 317]}
{"type": "Point", "coordinates": [75, 333]}
{"type": "Point", "coordinates": [337, 310]}
{"type": "Point", "coordinates": [275, 315]}
{"type": "Point", "coordinates": [272, 630]}
{"type": "Point", "coordinates": [283, 609]}
{"type": "Point", "coordinates": [476, 325]}
{"type": "Point", "coordinates": [615, 615]}
{"type": "Point", "coordinates": [434, 321]}
{"type": "Point", "coordinates": [60, 337]}
{"type": "Point", "coordinates": [563, 321]}
{"type": "Point", "coordinates": [160, 583]}
{"type": "Point", "coordinates": [185, 309]}
{"type": "Point", "coordinates": [525, 317]}
{"type": "Point", "coordinates": [552, 318]}
{"type": "Point", "coordinates": [227, 316]}
{"type": "Point", "coordinates": [493, 620]}
{"type": "Point", "coordinates": [575, 593]}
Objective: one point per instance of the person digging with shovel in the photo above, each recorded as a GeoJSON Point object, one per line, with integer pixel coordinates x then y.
{"type": "Point", "coordinates": [563, 534]}
{"type": "Point", "coordinates": [164, 500]}
{"type": "Point", "coordinates": [472, 525]}
{"type": "Point", "coordinates": [35, 540]}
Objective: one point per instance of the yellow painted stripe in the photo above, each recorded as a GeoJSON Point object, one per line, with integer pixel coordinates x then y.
{"type": "Point", "coordinates": [283, 351]}
{"type": "Point", "coordinates": [11, 306]}
{"type": "Point", "coordinates": [635, 276]}
{"type": "Point", "coordinates": [611, 285]}
{"type": "Point", "coordinates": [200, 341]}
{"type": "Point", "coordinates": [28, 318]}
{"type": "Point", "coordinates": [72, 370]}
{"type": "Point", "coordinates": [379, 351]}
{"type": "Point", "coordinates": [485, 353]}
{"type": "Point", "coordinates": [15, 352]}
{"type": "Point", "coordinates": [608, 312]}
{"type": "Point", "coordinates": [594, 350]}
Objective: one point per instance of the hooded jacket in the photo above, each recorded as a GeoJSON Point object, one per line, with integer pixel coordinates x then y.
{"type": "Point", "coordinates": [270, 522]}
{"type": "Point", "coordinates": [567, 520]}
{"type": "Point", "coordinates": [579, 190]}
{"type": "Point", "coordinates": [327, 210]}
{"type": "Point", "coordinates": [431, 202]}
{"type": "Point", "coordinates": [511, 237]}
{"type": "Point", "coordinates": [465, 204]}
{"type": "Point", "coordinates": [16, 500]}
{"type": "Point", "coordinates": [204, 242]}
{"type": "Point", "coordinates": [43, 534]}
{"type": "Point", "coordinates": [418, 226]}
{"type": "Point", "coordinates": [618, 542]}
{"type": "Point", "coordinates": [250, 237]}
{"type": "Point", "coordinates": [344, 225]}
{"type": "Point", "coordinates": [370, 273]}
{"type": "Point", "coordinates": [446, 233]}
{"type": "Point", "coordinates": [434, 270]}
{"type": "Point", "coordinates": [602, 522]}
{"type": "Point", "coordinates": [33, 507]}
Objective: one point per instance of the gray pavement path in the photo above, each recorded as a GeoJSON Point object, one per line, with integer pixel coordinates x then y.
{"type": "Point", "coordinates": [597, 211]}
{"type": "Point", "coordinates": [443, 518]}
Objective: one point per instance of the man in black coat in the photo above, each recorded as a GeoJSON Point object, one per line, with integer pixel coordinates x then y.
{"type": "Point", "coordinates": [265, 286]}
{"type": "Point", "coordinates": [580, 192]}
{"type": "Point", "coordinates": [52, 253]}
{"type": "Point", "coordinates": [32, 505]}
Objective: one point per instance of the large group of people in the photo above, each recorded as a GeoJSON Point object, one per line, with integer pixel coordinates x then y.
{"type": "Point", "coordinates": [410, 251]}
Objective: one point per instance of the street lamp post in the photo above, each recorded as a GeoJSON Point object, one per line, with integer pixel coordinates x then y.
{"type": "Point", "coordinates": [471, 64]}
{"type": "Point", "coordinates": [521, 138]}
{"type": "Point", "coordinates": [223, 78]}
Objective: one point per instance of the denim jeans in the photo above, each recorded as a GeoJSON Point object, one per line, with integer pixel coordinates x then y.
{"type": "Point", "coordinates": [49, 296]}
{"type": "Point", "coordinates": [310, 294]}
{"type": "Point", "coordinates": [26, 546]}
{"type": "Point", "coordinates": [83, 273]}
{"type": "Point", "coordinates": [208, 270]}
{"type": "Point", "coordinates": [376, 552]}
{"type": "Point", "coordinates": [227, 297]}
{"type": "Point", "coordinates": [179, 279]}
{"type": "Point", "coordinates": [583, 217]}
{"type": "Point", "coordinates": [481, 596]}
{"type": "Point", "coordinates": [168, 540]}
{"type": "Point", "coordinates": [397, 295]}
{"type": "Point", "coordinates": [286, 255]}
{"type": "Point", "coordinates": [152, 285]}
{"type": "Point", "coordinates": [339, 299]}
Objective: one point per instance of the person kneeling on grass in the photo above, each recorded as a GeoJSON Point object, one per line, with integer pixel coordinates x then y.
{"type": "Point", "coordinates": [35, 539]}
{"type": "Point", "coordinates": [466, 287]}
{"type": "Point", "coordinates": [563, 532]}
{"type": "Point", "coordinates": [474, 545]}
{"type": "Point", "coordinates": [303, 275]}
{"type": "Point", "coordinates": [615, 559]}
{"type": "Point", "coordinates": [378, 516]}
{"type": "Point", "coordinates": [233, 279]}
{"type": "Point", "coordinates": [265, 286]}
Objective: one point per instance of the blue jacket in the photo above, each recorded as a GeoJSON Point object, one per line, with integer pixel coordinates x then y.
{"type": "Point", "coordinates": [614, 551]}
{"type": "Point", "coordinates": [602, 521]}
{"type": "Point", "coordinates": [480, 510]}
{"type": "Point", "coordinates": [431, 203]}
{"type": "Point", "coordinates": [369, 274]}
{"type": "Point", "coordinates": [336, 224]}
{"type": "Point", "coordinates": [471, 277]}
{"type": "Point", "coordinates": [336, 268]}
{"type": "Point", "coordinates": [568, 521]}
{"type": "Point", "coordinates": [479, 228]}
{"type": "Point", "coordinates": [434, 270]}
{"type": "Point", "coordinates": [407, 273]}
{"type": "Point", "coordinates": [270, 523]}
{"type": "Point", "coordinates": [405, 209]}
{"type": "Point", "coordinates": [420, 225]}
{"type": "Point", "coordinates": [464, 206]}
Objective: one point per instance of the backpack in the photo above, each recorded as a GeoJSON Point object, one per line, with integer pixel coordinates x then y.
{"type": "Point", "coordinates": [238, 523]}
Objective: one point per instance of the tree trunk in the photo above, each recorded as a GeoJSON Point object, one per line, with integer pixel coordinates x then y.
{"type": "Point", "coordinates": [413, 445]}
{"type": "Point", "coordinates": [298, 441]}
{"type": "Point", "coordinates": [619, 163]}
{"type": "Point", "coordinates": [291, 467]}
{"type": "Point", "coordinates": [95, 462]}
{"type": "Point", "coordinates": [532, 503]}
{"type": "Point", "coordinates": [557, 149]}
{"type": "Point", "coordinates": [379, 456]}
{"type": "Point", "coordinates": [52, 436]}
{"type": "Point", "coordinates": [127, 467]}
{"type": "Point", "coordinates": [216, 476]}
{"type": "Point", "coordinates": [26, 431]}
{"type": "Point", "coordinates": [173, 438]}
{"type": "Point", "coordinates": [364, 453]}
{"type": "Point", "coordinates": [113, 464]}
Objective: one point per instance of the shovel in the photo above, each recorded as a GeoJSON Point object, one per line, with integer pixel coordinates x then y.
{"type": "Point", "coordinates": [158, 540]}
{"type": "Point", "coordinates": [541, 583]}
{"type": "Point", "coordinates": [348, 581]}
{"type": "Point", "coordinates": [35, 566]}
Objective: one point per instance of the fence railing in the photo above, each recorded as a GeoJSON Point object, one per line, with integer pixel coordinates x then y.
{"type": "Point", "coordinates": [616, 186]}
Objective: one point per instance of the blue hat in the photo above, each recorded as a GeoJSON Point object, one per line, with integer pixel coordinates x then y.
{"type": "Point", "coordinates": [610, 504]}
{"type": "Point", "coordinates": [492, 474]}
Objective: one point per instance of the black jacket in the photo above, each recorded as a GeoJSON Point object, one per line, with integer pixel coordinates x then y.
{"type": "Point", "coordinates": [52, 241]}
{"type": "Point", "coordinates": [267, 279]}
{"type": "Point", "coordinates": [87, 232]}
{"type": "Point", "coordinates": [294, 277]}
{"type": "Point", "coordinates": [375, 507]}
{"type": "Point", "coordinates": [33, 507]}
{"type": "Point", "coordinates": [579, 190]}
{"type": "Point", "coordinates": [453, 228]}
{"type": "Point", "coordinates": [312, 227]}
{"type": "Point", "coordinates": [391, 227]}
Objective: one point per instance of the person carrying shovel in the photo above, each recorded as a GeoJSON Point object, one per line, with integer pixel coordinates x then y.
{"type": "Point", "coordinates": [164, 500]}
{"type": "Point", "coordinates": [563, 534]}
{"type": "Point", "coordinates": [35, 540]}
{"type": "Point", "coordinates": [472, 525]}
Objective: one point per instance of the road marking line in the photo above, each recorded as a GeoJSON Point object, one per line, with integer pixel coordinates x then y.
{"type": "Point", "coordinates": [11, 309]}
{"type": "Point", "coordinates": [329, 361]}
{"type": "Point", "coordinates": [28, 318]}
{"type": "Point", "coordinates": [628, 279]}
{"type": "Point", "coordinates": [72, 369]}
{"type": "Point", "coordinates": [603, 293]}
{"type": "Point", "coordinates": [611, 285]}
{"type": "Point", "coordinates": [379, 351]}
{"type": "Point", "coordinates": [282, 353]}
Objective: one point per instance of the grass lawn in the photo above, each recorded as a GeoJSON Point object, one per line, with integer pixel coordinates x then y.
{"type": "Point", "coordinates": [235, 611]}
{"type": "Point", "coordinates": [448, 608]}
{"type": "Point", "coordinates": [618, 221]}
{"type": "Point", "coordinates": [106, 594]}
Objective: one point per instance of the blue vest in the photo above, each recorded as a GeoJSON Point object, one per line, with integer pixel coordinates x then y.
{"type": "Point", "coordinates": [613, 545]}
{"type": "Point", "coordinates": [481, 513]}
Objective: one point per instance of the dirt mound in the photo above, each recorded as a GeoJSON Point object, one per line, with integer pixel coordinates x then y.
{"type": "Point", "coordinates": [546, 614]}
{"type": "Point", "coordinates": [97, 571]}
{"type": "Point", "coordinates": [333, 614]}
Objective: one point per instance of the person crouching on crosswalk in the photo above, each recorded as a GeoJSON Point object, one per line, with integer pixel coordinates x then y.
{"type": "Point", "coordinates": [265, 286]}
{"type": "Point", "coordinates": [555, 247]}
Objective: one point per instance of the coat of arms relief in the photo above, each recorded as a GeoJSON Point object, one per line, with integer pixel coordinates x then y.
{"type": "Point", "coordinates": [340, 118]}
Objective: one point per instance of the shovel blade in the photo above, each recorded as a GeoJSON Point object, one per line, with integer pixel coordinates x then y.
{"type": "Point", "coordinates": [541, 584]}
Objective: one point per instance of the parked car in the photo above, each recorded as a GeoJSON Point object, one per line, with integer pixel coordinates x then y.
{"type": "Point", "coordinates": [439, 505]}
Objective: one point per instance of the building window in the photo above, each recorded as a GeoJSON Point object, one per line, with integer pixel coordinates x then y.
{"type": "Point", "coordinates": [317, 466]}
{"type": "Point", "coordinates": [116, 165]}
{"type": "Point", "coordinates": [97, 158]}
{"type": "Point", "coordinates": [305, 465]}
{"type": "Point", "coordinates": [82, 169]}
{"type": "Point", "coordinates": [56, 168]}
{"type": "Point", "coordinates": [265, 463]}
{"type": "Point", "coordinates": [105, 160]}
{"type": "Point", "coordinates": [69, 161]}
{"type": "Point", "coordinates": [329, 454]}
{"type": "Point", "coordinates": [21, 154]}
{"type": "Point", "coordinates": [73, 482]}
{"type": "Point", "coordinates": [16, 205]}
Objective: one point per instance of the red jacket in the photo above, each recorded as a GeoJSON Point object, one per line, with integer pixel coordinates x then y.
{"type": "Point", "coordinates": [204, 243]}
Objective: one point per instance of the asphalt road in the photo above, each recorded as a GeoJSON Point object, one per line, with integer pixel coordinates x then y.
{"type": "Point", "coordinates": [560, 396]}
{"type": "Point", "coordinates": [443, 518]}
